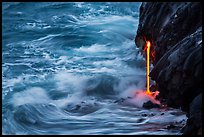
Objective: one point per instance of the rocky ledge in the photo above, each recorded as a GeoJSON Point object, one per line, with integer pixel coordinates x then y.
{"type": "Point", "coordinates": [175, 32]}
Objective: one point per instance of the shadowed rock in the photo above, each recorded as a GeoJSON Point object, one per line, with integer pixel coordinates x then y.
{"type": "Point", "coordinates": [149, 105]}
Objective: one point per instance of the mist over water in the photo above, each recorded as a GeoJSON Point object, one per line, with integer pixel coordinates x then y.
{"type": "Point", "coordinates": [65, 65]}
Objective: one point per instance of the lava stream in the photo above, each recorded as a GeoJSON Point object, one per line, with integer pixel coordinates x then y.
{"type": "Point", "coordinates": [148, 67]}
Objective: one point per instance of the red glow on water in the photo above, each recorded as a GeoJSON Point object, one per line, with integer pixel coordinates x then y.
{"type": "Point", "coordinates": [150, 94]}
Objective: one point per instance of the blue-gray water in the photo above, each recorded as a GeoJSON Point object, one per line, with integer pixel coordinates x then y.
{"type": "Point", "coordinates": [65, 65]}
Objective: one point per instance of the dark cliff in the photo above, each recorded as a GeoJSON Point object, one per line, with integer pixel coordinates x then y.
{"type": "Point", "coordinates": [175, 32]}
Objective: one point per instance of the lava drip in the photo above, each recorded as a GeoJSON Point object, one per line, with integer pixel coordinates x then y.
{"type": "Point", "coordinates": [146, 97]}
{"type": "Point", "coordinates": [148, 45]}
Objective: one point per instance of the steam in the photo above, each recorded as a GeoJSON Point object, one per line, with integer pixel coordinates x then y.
{"type": "Point", "coordinates": [141, 97]}
{"type": "Point", "coordinates": [137, 97]}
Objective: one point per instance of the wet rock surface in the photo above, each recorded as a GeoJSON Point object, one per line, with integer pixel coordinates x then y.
{"type": "Point", "coordinates": [175, 32]}
{"type": "Point", "coordinates": [82, 108]}
{"type": "Point", "coordinates": [149, 105]}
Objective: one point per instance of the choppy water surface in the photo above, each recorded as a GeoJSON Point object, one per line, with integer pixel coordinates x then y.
{"type": "Point", "coordinates": [65, 65]}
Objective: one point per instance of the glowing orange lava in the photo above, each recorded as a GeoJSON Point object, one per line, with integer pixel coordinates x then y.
{"type": "Point", "coordinates": [148, 44]}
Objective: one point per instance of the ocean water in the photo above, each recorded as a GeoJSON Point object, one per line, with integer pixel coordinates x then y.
{"type": "Point", "coordinates": [67, 66]}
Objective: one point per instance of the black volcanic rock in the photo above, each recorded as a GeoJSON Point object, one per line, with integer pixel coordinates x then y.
{"type": "Point", "coordinates": [165, 24]}
{"type": "Point", "coordinates": [194, 123]}
{"type": "Point", "coordinates": [178, 72]}
{"type": "Point", "coordinates": [175, 32]}
{"type": "Point", "coordinates": [149, 105]}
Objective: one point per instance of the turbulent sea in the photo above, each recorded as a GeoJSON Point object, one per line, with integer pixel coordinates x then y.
{"type": "Point", "coordinates": [67, 68]}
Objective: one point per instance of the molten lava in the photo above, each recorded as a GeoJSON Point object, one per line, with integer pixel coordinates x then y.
{"type": "Point", "coordinates": [147, 95]}
{"type": "Point", "coordinates": [148, 44]}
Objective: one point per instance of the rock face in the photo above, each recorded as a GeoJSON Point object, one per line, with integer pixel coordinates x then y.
{"type": "Point", "coordinates": [149, 105]}
{"type": "Point", "coordinates": [175, 32]}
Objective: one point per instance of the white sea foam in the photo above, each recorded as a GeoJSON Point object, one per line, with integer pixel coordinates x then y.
{"type": "Point", "coordinates": [11, 82]}
{"type": "Point", "coordinates": [114, 62]}
{"type": "Point", "coordinates": [79, 4]}
{"type": "Point", "coordinates": [47, 56]}
{"type": "Point", "coordinates": [34, 26]}
{"type": "Point", "coordinates": [65, 80]}
{"type": "Point", "coordinates": [103, 31]}
{"type": "Point", "coordinates": [103, 20]}
{"type": "Point", "coordinates": [30, 96]}
{"type": "Point", "coordinates": [48, 37]}
{"type": "Point", "coordinates": [62, 60]}
{"type": "Point", "coordinates": [102, 70]}
{"type": "Point", "coordinates": [93, 48]}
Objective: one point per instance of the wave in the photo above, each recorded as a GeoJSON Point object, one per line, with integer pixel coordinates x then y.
{"type": "Point", "coordinates": [78, 87]}
{"type": "Point", "coordinates": [93, 48]}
